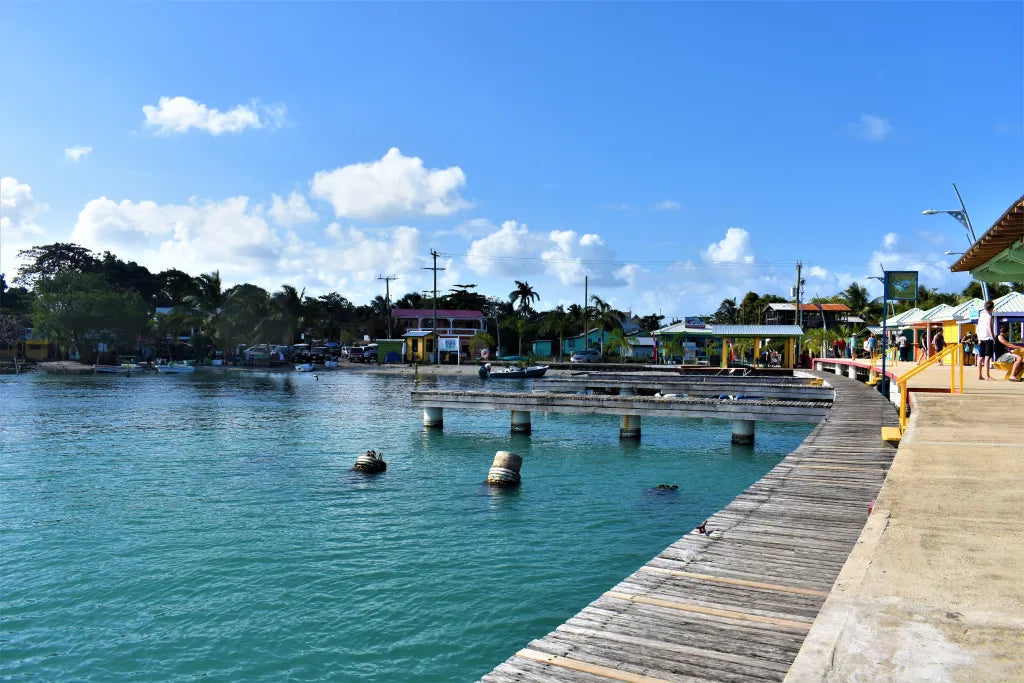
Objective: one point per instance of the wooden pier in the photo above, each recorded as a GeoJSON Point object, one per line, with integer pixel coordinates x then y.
{"type": "Point", "coordinates": [736, 604]}
{"type": "Point", "coordinates": [792, 388]}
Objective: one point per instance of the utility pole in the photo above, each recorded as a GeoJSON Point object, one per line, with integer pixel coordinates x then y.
{"type": "Point", "coordinates": [437, 341]}
{"type": "Point", "coordinates": [387, 296]}
{"type": "Point", "coordinates": [586, 314]}
{"type": "Point", "coordinates": [799, 305]}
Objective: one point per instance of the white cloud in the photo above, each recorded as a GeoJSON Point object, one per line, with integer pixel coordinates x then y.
{"type": "Point", "coordinates": [871, 127]}
{"type": "Point", "coordinates": [932, 267]}
{"type": "Point", "coordinates": [77, 152]}
{"type": "Point", "coordinates": [228, 235]}
{"type": "Point", "coordinates": [817, 272]}
{"type": "Point", "coordinates": [667, 205]}
{"type": "Point", "coordinates": [734, 248]}
{"type": "Point", "coordinates": [293, 211]}
{"type": "Point", "coordinates": [181, 114]}
{"type": "Point", "coordinates": [890, 240]}
{"type": "Point", "coordinates": [18, 228]}
{"type": "Point", "coordinates": [392, 186]}
{"type": "Point", "coordinates": [514, 251]}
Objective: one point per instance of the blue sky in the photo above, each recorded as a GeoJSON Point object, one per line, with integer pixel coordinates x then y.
{"type": "Point", "coordinates": [675, 153]}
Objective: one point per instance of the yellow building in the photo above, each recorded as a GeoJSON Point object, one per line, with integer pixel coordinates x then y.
{"type": "Point", "coordinates": [419, 345]}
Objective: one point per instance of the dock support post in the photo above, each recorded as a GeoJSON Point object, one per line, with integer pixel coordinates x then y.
{"type": "Point", "coordinates": [851, 371]}
{"type": "Point", "coordinates": [819, 366]}
{"type": "Point", "coordinates": [743, 432]}
{"type": "Point", "coordinates": [520, 421]}
{"type": "Point", "coordinates": [629, 427]}
{"type": "Point", "coordinates": [433, 418]}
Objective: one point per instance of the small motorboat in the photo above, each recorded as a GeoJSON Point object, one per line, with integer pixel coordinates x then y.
{"type": "Point", "coordinates": [331, 364]}
{"type": "Point", "coordinates": [531, 372]}
{"type": "Point", "coordinates": [304, 367]}
{"type": "Point", "coordinates": [176, 369]}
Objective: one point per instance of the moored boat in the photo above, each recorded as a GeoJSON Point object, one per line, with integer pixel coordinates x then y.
{"type": "Point", "coordinates": [175, 369]}
{"type": "Point", "coordinates": [531, 372]}
{"type": "Point", "coordinates": [111, 369]}
{"type": "Point", "coordinates": [304, 367]}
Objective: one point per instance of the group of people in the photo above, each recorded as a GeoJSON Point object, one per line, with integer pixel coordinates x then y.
{"type": "Point", "coordinates": [993, 347]}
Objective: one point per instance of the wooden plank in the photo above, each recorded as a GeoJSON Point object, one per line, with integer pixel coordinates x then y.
{"type": "Point", "coordinates": [736, 582]}
{"type": "Point", "coordinates": [595, 669]}
{"type": "Point", "coordinates": [728, 614]}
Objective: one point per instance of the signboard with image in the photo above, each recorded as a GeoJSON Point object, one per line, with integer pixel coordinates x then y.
{"type": "Point", "coordinates": [901, 285]}
{"type": "Point", "coordinates": [448, 344]}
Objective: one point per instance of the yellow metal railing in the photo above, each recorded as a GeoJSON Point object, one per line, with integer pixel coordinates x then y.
{"type": "Point", "coordinates": [955, 354]}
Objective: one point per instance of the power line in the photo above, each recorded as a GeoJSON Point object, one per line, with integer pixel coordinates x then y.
{"type": "Point", "coordinates": [387, 297]}
{"type": "Point", "coordinates": [437, 341]}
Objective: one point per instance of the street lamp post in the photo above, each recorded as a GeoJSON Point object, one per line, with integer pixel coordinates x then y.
{"type": "Point", "coordinates": [965, 220]}
{"type": "Point", "coordinates": [884, 383]}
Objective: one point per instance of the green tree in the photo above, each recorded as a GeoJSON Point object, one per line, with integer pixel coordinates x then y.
{"type": "Point", "coordinates": [246, 306]}
{"type": "Point", "coordinates": [480, 340]}
{"type": "Point", "coordinates": [79, 310]}
{"type": "Point", "coordinates": [518, 326]}
{"type": "Point", "coordinates": [288, 308]}
{"type": "Point", "coordinates": [205, 304]}
{"type": "Point", "coordinates": [749, 310]}
{"type": "Point", "coordinates": [557, 321]}
{"type": "Point", "coordinates": [48, 261]}
{"type": "Point", "coordinates": [525, 295]}
{"type": "Point", "coordinates": [727, 313]}
{"type": "Point", "coordinates": [617, 343]}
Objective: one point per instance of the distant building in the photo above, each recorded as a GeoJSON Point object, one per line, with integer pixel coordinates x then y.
{"type": "Point", "coordinates": [415, 325]}
{"type": "Point", "coordinates": [814, 315]}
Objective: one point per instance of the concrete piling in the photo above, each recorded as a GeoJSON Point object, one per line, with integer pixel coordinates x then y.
{"type": "Point", "coordinates": [505, 469]}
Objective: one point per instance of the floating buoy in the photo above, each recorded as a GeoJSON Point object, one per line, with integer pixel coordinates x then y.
{"type": "Point", "coordinates": [505, 469]}
{"type": "Point", "coordinates": [666, 487]}
{"type": "Point", "coordinates": [370, 462]}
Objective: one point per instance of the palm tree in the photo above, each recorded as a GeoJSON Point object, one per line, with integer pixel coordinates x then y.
{"type": "Point", "coordinates": [525, 295]}
{"type": "Point", "coordinates": [617, 343]}
{"type": "Point", "coordinates": [288, 310]}
{"type": "Point", "coordinates": [606, 317]}
{"type": "Point", "coordinates": [857, 298]}
{"type": "Point", "coordinates": [207, 302]}
{"type": "Point", "coordinates": [519, 326]}
{"type": "Point", "coordinates": [727, 313]}
{"type": "Point", "coordinates": [557, 321]}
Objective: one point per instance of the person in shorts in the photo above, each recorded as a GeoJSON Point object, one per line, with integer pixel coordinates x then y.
{"type": "Point", "coordinates": [986, 341]}
{"type": "Point", "coordinates": [1003, 355]}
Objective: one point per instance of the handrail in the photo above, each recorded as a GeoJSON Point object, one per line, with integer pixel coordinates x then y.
{"type": "Point", "coordinates": [956, 356]}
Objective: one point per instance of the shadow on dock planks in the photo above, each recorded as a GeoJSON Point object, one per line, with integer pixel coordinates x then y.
{"type": "Point", "coordinates": [736, 607]}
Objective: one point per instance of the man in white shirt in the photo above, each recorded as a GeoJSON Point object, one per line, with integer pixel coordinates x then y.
{"type": "Point", "coordinates": [986, 340]}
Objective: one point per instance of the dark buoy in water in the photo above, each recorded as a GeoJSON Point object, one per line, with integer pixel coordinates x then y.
{"type": "Point", "coordinates": [370, 462]}
{"type": "Point", "coordinates": [505, 469]}
{"type": "Point", "coordinates": [666, 487]}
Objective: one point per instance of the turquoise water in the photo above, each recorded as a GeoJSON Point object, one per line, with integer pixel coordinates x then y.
{"type": "Point", "coordinates": [210, 526]}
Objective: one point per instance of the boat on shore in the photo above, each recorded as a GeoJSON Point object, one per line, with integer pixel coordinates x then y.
{"type": "Point", "coordinates": [331, 364]}
{"type": "Point", "coordinates": [175, 369]}
{"type": "Point", "coordinates": [304, 367]}
{"type": "Point", "coordinates": [532, 372]}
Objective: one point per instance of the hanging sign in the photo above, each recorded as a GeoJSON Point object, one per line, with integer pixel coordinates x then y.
{"type": "Point", "coordinates": [901, 285]}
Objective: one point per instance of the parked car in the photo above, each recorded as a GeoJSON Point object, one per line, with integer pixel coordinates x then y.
{"type": "Point", "coordinates": [585, 356]}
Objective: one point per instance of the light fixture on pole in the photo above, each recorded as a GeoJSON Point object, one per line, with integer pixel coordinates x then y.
{"type": "Point", "coordinates": [965, 220]}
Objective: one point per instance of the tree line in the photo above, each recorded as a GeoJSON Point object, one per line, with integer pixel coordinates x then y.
{"type": "Point", "coordinates": [79, 299]}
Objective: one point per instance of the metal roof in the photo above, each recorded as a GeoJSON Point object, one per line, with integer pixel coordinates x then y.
{"type": "Point", "coordinates": [809, 307]}
{"type": "Point", "coordinates": [1006, 234]}
{"type": "Point", "coordinates": [902, 318]}
{"type": "Point", "coordinates": [441, 313]}
{"type": "Point", "coordinates": [919, 317]}
{"type": "Point", "coordinates": [938, 313]}
{"type": "Point", "coordinates": [1011, 304]}
{"type": "Point", "coordinates": [681, 328]}
{"type": "Point", "coordinates": [418, 333]}
{"type": "Point", "coordinates": [968, 310]}
{"type": "Point", "coordinates": [756, 331]}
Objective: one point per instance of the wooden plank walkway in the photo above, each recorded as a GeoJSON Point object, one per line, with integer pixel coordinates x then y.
{"type": "Point", "coordinates": [735, 605]}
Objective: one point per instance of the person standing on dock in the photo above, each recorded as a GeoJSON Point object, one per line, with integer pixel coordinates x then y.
{"type": "Point", "coordinates": [986, 341]}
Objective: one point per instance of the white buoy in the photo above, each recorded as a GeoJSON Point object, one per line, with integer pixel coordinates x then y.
{"type": "Point", "coordinates": [370, 462]}
{"type": "Point", "coordinates": [433, 417]}
{"type": "Point", "coordinates": [505, 469]}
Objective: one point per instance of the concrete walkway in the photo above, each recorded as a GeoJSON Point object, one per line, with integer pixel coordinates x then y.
{"type": "Point", "coordinates": [934, 589]}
